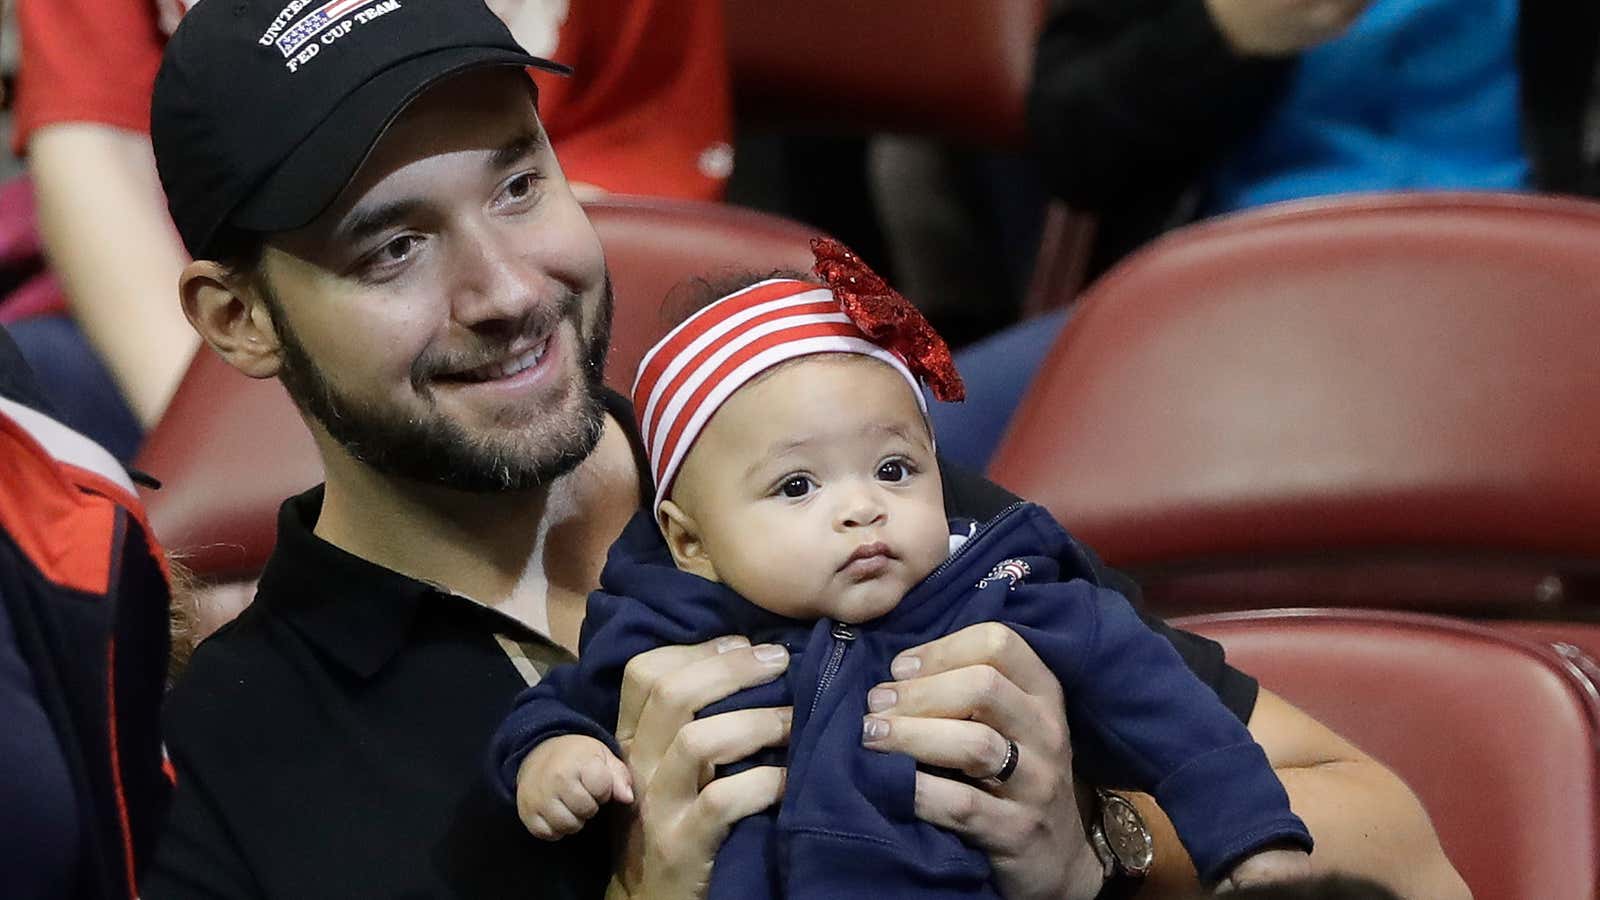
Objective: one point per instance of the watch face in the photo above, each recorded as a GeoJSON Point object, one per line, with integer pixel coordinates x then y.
{"type": "Point", "coordinates": [1127, 835]}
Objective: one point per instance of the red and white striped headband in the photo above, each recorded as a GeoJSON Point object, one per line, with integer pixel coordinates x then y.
{"type": "Point", "coordinates": [690, 373]}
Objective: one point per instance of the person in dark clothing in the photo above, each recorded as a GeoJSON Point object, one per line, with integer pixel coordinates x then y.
{"type": "Point", "coordinates": [806, 509]}
{"type": "Point", "coordinates": [378, 218]}
{"type": "Point", "coordinates": [1150, 114]}
{"type": "Point", "coordinates": [384, 227]}
{"type": "Point", "coordinates": [83, 618]}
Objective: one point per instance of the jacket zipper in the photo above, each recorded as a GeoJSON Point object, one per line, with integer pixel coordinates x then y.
{"type": "Point", "coordinates": [983, 530]}
{"type": "Point", "coordinates": [843, 635]}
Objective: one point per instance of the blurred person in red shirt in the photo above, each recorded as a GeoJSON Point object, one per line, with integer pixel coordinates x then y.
{"type": "Point", "coordinates": [649, 113]}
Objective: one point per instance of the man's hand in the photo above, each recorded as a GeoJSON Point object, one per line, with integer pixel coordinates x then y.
{"type": "Point", "coordinates": [1282, 27]}
{"type": "Point", "coordinates": [683, 814]}
{"type": "Point", "coordinates": [563, 783]}
{"type": "Point", "coordinates": [956, 703]}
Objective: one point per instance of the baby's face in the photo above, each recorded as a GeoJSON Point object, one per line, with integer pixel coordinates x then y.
{"type": "Point", "coordinates": [814, 491]}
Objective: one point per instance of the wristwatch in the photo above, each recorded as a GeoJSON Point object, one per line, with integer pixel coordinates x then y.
{"type": "Point", "coordinates": [1121, 840]}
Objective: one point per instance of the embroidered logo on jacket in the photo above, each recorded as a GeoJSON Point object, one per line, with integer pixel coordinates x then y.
{"type": "Point", "coordinates": [1012, 570]}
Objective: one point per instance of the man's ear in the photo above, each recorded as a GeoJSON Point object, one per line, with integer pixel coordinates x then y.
{"type": "Point", "coordinates": [683, 539]}
{"type": "Point", "coordinates": [231, 316]}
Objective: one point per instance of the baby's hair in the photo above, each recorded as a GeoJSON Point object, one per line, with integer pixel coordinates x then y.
{"type": "Point", "coordinates": [695, 294]}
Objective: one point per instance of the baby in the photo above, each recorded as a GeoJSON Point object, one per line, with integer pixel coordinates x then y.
{"type": "Point", "coordinates": [799, 501]}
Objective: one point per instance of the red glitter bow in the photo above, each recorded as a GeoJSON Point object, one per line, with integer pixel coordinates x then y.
{"type": "Point", "coordinates": [887, 318]}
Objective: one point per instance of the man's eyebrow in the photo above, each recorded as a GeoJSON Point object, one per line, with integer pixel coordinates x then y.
{"type": "Point", "coordinates": [364, 223]}
{"type": "Point", "coordinates": [520, 147]}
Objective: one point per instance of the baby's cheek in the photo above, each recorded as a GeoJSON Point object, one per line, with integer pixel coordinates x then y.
{"type": "Point", "coordinates": [782, 579]}
{"type": "Point", "coordinates": [933, 548]}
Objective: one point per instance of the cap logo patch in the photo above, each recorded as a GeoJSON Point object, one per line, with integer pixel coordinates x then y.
{"type": "Point", "coordinates": [328, 20]}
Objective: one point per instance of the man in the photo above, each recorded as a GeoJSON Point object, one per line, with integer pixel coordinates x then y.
{"type": "Point", "coordinates": [377, 219]}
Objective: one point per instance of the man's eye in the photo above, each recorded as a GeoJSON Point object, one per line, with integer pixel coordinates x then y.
{"type": "Point", "coordinates": [520, 187]}
{"type": "Point", "coordinates": [795, 487]}
{"type": "Point", "coordinates": [399, 249]}
{"type": "Point", "coordinates": [893, 470]}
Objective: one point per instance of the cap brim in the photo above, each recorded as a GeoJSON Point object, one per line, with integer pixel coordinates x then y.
{"type": "Point", "coordinates": [311, 177]}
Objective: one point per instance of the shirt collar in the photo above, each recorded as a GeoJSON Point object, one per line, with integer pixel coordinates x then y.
{"type": "Point", "coordinates": [354, 610]}
{"type": "Point", "coordinates": [361, 613]}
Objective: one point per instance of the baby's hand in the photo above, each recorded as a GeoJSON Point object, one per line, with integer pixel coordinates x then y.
{"type": "Point", "coordinates": [564, 780]}
{"type": "Point", "coordinates": [1266, 867]}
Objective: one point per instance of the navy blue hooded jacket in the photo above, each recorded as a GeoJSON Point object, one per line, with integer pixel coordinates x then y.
{"type": "Point", "coordinates": [846, 828]}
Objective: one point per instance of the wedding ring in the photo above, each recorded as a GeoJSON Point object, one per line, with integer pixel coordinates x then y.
{"type": "Point", "coordinates": [1008, 767]}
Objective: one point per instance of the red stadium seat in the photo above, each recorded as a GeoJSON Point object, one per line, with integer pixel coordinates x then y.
{"type": "Point", "coordinates": [955, 69]}
{"type": "Point", "coordinates": [230, 450]}
{"type": "Point", "coordinates": [1380, 400]}
{"type": "Point", "coordinates": [1578, 642]}
{"type": "Point", "coordinates": [654, 245]}
{"type": "Point", "coordinates": [1497, 736]}
{"type": "Point", "coordinates": [227, 450]}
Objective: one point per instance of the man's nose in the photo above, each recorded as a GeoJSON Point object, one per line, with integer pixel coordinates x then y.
{"type": "Point", "coordinates": [495, 280]}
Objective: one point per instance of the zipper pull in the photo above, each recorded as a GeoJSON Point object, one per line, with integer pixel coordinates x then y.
{"type": "Point", "coordinates": [843, 632]}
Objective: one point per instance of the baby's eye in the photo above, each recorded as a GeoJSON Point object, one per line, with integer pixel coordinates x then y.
{"type": "Point", "coordinates": [893, 470]}
{"type": "Point", "coordinates": [795, 487]}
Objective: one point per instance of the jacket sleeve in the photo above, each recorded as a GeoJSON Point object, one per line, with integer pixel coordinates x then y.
{"type": "Point", "coordinates": [574, 699]}
{"type": "Point", "coordinates": [1141, 719]}
{"type": "Point", "coordinates": [543, 711]}
{"type": "Point", "coordinates": [1130, 94]}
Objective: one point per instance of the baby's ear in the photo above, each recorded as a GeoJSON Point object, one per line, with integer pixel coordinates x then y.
{"type": "Point", "coordinates": [683, 539]}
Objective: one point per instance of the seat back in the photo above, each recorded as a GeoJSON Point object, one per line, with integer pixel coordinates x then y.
{"type": "Point", "coordinates": [653, 246]}
{"type": "Point", "coordinates": [229, 449]}
{"type": "Point", "coordinates": [1381, 399]}
{"type": "Point", "coordinates": [956, 69]}
{"type": "Point", "coordinates": [1577, 642]}
{"type": "Point", "coordinates": [1496, 736]}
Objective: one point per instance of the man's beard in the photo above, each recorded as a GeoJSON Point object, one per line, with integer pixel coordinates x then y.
{"type": "Point", "coordinates": [435, 449]}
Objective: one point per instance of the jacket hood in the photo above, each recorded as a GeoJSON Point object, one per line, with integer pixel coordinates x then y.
{"type": "Point", "coordinates": [639, 565]}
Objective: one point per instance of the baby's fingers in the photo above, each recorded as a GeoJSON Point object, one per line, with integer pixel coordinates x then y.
{"type": "Point", "coordinates": [539, 828]}
{"type": "Point", "coordinates": [602, 778]}
{"type": "Point", "coordinates": [560, 820]}
{"type": "Point", "coordinates": [621, 780]}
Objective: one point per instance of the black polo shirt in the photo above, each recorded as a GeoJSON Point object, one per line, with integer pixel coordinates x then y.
{"type": "Point", "coordinates": [331, 741]}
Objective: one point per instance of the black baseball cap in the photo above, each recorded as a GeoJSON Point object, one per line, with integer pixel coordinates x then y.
{"type": "Point", "coordinates": [264, 109]}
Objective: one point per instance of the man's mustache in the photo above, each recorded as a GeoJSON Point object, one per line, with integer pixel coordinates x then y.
{"type": "Point", "coordinates": [540, 321]}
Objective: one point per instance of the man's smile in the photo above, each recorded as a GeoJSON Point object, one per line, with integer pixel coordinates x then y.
{"type": "Point", "coordinates": [517, 359]}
